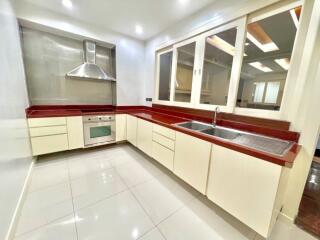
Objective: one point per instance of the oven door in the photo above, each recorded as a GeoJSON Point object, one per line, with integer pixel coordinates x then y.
{"type": "Point", "coordinates": [97, 133]}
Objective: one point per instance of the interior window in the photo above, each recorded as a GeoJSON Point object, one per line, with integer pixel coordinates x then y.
{"type": "Point", "coordinates": [217, 64]}
{"type": "Point", "coordinates": [165, 76]}
{"type": "Point", "coordinates": [268, 50]}
{"type": "Point", "coordinates": [184, 73]}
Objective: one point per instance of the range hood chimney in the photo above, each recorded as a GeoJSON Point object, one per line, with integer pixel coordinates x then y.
{"type": "Point", "coordinates": [89, 69]}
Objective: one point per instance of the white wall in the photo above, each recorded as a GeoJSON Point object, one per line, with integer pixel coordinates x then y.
{"type": "Point", "coordinates": [15, 154]}
{"type": "Point", "coordinates": [130, 52]}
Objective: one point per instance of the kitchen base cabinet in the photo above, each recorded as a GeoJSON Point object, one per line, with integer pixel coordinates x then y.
{"type": "Point", "coordinates": [121, 127]}
{"type": "Point", "coordinates": [75, 132]}
{"type": "Point", "coordinates": [144, 136]}
{"type": "Point", "coordinates": [246, 187]}
{"type": "Point", "coordinates": [132, 124]}
{"type": "Point", "coordinates": [163, 155]}
{"type": "Point", "coordinates": [191, 160]}
{"type": "Point", "coordinates": [49, 144]}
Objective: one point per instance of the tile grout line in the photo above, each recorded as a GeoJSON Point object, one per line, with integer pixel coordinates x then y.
{"type": "Point", "coordinates": [74, 213]}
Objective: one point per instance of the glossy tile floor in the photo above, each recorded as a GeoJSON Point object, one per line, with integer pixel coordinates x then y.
{"type": "Point", "coordinates": [116, 192]}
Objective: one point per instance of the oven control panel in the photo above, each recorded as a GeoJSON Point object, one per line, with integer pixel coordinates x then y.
{"type": "Point", "coordinates": [102, 118]}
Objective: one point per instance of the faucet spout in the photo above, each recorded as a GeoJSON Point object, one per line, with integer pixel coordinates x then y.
{"type": "Point", "coordinates": [214, 121]}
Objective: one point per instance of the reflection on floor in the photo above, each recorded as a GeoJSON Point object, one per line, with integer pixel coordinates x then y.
{"type": "Point", "coordinates": [116, 192]}
{"type": "Point", "coordinates": [309, 210]}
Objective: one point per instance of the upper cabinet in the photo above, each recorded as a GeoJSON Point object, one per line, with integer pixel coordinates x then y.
{"type": "Point", "coordinates": [242, 66]}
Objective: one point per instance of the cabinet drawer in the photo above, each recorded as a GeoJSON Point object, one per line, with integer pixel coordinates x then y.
{"type": "Point", "coordinates": [45, 122]}
{"type": "Point", "coordinates": [163, 155]}
{"type": "Point", "coordinates": [163, 140]}
{"type": "Point", "coordinates": [167, 132]}
{"type": "Point", "coordinates": [49, 144]}
{"type": "Point", "coordinates": [45, 131]}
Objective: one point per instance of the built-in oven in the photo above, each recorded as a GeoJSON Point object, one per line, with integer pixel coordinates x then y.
{"type": "Point", "coordinates": [99, 130]}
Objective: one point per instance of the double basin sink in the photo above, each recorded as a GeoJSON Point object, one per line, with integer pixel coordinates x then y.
{"type": "Point", "coordinates": [259, 142]}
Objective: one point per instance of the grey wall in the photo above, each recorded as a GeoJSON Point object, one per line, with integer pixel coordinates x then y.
{"type": "Point", "coordinates": [49, 57]}
{"type": "Point", "coordinates": [15, 154]}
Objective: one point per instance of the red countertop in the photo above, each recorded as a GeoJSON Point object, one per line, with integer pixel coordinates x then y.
{"type": "Point", "coordinates": [168, 120]}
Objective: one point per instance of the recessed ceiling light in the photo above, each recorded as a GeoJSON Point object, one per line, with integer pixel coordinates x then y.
{"type": "Point", "coordinates": [267, 47]}
{"type": "Point", "coordinates": [183, 2]}
{"type": "Point", "coordinates": [260, 66]}
{"type": "Point", "coordinates": [139, 29]}
{"type": "Point", "coordinates": [67, 3]}
{"type": "Point", "coordinates": [283, 62]}
{"type": "Point", "coordinates": [222, 45]}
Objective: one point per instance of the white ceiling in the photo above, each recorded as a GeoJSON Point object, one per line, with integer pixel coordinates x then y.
{"type": "Point", "coordinates": [123, 15]}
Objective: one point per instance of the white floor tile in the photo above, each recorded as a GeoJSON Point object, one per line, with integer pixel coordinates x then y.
{"type": "Point", "coordinates": [286, 231]}
{"type": "Point", "coordinates": [80, 167]}
{"type": "Point", "coordinates": [62, 229]}
{"type": "Point", "coordinates": [49, 175]}
{"type": "Point", "coordinates": [152, 235]}
{"type": "Point", "coordinates": [159, 199]}
{"type": "Point", "coordinates": [119, 217]}
{"type": "Point", "coordinates": [44, 206]}
{"type": "Point", "coordinates": [133, 173]}
{"type": "Point", "coordinates": [95, 187]}
{"type": "Point", "coordinates": [202, 220]}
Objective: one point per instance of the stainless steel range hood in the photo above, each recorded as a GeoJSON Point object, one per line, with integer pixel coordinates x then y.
{"type": "Point", "coordinates": [89, 69]}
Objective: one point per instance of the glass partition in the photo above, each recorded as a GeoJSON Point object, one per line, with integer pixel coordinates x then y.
{"type": "Point", "coordinates": [217, 65]}
{"type": "Point", "coordinates": [268, 50]}
{"type": "Point", "coordinates": [184, 72]}
{"type": "Point", "coordinates": [165, 66]}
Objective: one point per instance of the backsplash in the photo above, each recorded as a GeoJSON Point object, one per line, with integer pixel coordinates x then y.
{"type": "Point", "coordinates": [47, 59]}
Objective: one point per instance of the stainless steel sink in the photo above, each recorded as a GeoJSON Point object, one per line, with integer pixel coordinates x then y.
{"type": "Point", "coordinates": [259, 142]}
{"type": "Point", "coordinates": [194, 125]}
{"type": "Point", "coordinates": [221, 133]}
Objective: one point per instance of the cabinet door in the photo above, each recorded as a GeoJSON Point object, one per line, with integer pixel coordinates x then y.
{"type": "Point", "coordinates": [144, 136]}
{"type": "Point", "coordinates": [49, 144]}
{"type": "Point", "coordinates": [132, 129]}
{"type": "Point", "coordinates": [191, 160]}
{"type": "Point", "coordinates": [244, 186]}
{"type": "Point", "coordinates": [75, 132]}
{"type": "Point", "coordinates": [121, 127]}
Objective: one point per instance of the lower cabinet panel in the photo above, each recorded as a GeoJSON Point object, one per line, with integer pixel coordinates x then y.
{"type": "Point", "coordinates": [163, 155]}
{"type": "Point", "coordinates": [132, 124]}
{"type": "Point", "coordinates": [144, 136]}
{"type": "Point", "coordinates": [244, 186]}
{"type": "Point", "coordinates": [191, 160]}
{"type": "Point", "coordinates": [49, 144]}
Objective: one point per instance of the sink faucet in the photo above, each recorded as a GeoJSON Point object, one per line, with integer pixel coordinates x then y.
{"type": "Point", "coordinates": [214, 121]}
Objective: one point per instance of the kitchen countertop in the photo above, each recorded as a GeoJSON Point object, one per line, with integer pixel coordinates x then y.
{"type": "Point", "coordinates": [169, 121]}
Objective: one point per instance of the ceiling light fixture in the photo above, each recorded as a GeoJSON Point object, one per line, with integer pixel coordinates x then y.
{"type": "Point", "coordinates": [139, 29]}
{"type": "Point", "coordinates": [260, 66]}
{"type": "Point", "coordinates": [260, 38]}
{"type": "Point", "coordinates": [222, 45]}
{"type": "Point", "coordinates": [283, 62]}
{"type": "Point", "coordinates": [67, 3]}
{"type": "Point", "coordinates": [294, 17]}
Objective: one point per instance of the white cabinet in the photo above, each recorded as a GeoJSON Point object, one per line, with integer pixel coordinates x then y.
{"type": "Point", "coordinates": [246, 187]}
{"type": "Point", "coordinates": [191, 160]}
{"type": "Point", "coordinates": [121, 127]}
{"type": "Point", "coordinates": [132, 124]}
{"type": "Point", "coordinates": [144, 136]}
{"type": "Point", "coordinates": [75, 132]}
{"type": "Point", "coordinates": [48, 135]}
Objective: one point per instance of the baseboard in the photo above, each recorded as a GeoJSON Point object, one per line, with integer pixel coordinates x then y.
{"type": "Point", "coordinates": [17, 212]}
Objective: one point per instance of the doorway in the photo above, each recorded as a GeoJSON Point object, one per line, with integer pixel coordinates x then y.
{"type": "Point", "coordinates": [309, 210]}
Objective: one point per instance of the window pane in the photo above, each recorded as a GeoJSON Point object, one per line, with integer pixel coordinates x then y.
{"type": "Point", "coordinates": [165, 76]}
{"type": "Point", "coordinates": [184, 74]}
{"type": "Point", "coordinates": [219, 52]}
{"type": "Point", "coordinates": [272, 92]}
{"type": "Point", "coordinates": [258, 92]}
{"type": "Point", "coordinates": [102, 131]}
{"type": "Point", "coordinates": [268, 52]}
